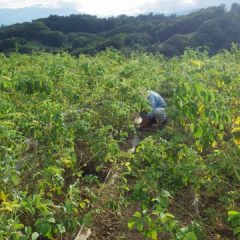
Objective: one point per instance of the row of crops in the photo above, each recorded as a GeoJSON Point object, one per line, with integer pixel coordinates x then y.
{"type": "Point", "coordinates": [64, 126]}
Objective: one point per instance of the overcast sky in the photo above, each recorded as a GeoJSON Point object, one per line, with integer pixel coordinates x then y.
{"type": "Point", "coordinates": [115, 7]}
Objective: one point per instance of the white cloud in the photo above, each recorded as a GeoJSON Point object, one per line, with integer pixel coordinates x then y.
{"type": "Point", "coordinates": [42, 3]}
{"type": "Point", "coordinates": [116, 7]}
{"type": "Point", "coordinates": [22, 3]}
{"type": "Point", "coordinates": [174, 6]}
{"type": "Point", "coordinates": [113, 7]}
{"type": "Point", "coordinates": [188, 2]}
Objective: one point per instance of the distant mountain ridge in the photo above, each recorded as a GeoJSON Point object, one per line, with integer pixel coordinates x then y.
{"type": "Point", "coordinates": [215, 28]}
{"type": "Point", "coordinates": [20, 15]}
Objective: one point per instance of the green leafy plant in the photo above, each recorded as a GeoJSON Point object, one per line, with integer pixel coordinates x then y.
{"type": "Point", "coordinates": [234, 220]}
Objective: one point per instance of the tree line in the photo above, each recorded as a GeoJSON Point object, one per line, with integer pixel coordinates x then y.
{"type": "Point", "coordinates": [215, 28]}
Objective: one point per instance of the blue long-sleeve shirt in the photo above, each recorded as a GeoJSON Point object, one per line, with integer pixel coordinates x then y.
{"type": "Point", "coordinates": [156, 101]}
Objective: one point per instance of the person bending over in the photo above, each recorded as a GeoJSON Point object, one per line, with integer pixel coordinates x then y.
{"type": "Point", "coordinates": [157, 115]}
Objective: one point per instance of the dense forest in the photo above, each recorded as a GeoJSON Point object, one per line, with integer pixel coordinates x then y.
{"type": "Point", "coordinates": [215, 28]}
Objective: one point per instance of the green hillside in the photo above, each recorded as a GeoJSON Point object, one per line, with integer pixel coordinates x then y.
{"type": "Point", "coordinates": [65, 128]}
{"type": "Point", "coordinates": [214, 27]}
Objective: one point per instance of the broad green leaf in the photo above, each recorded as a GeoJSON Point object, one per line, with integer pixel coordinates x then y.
{"type": "Point", "coordinates": [18, 226]}
{"type": "Point", "coordinates": [3, 196]}
{"type": "Point", "coordinates": [61, 228]}
{"type": "Point", "coordinates": [153, 234]}
{"type": "Point", "coordinates": [28, 231]}
{"type": "Point", "coordinates": [190, 236]}
{"type": "Point", "coordinates": [34, 236]}
{"type": "Point", "coordinates": [82, 204]}
{"type": "Point", "coordinates": [165, 193]}
{"type": "Point", "coordinates": [164, 202]}
{"type": "Point", "coordinates": [50, 219]}
{"type": "Point", "coordinates": [131, 224]}
{"type": "Point", "coordinates": [44, 229]}
{"type": "Point", "coordinates": [139, 226]}
{"type": "Point", "coordinates": [198, 131]}
{"type": "Point", "coordinates": [137, 214]}
{"type": "Point", "coordinates": [232, 215]}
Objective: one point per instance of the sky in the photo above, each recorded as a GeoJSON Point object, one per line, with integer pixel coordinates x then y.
{"type": "Point", "coordinates": [106, 8]}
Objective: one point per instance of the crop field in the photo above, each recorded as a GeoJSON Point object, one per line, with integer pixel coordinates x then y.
{"type": "Point", "coordinates": [65, 129]}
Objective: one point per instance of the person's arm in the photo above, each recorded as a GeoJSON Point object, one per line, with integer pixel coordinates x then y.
{"type": "Point", "coordinates": [152, 102]}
